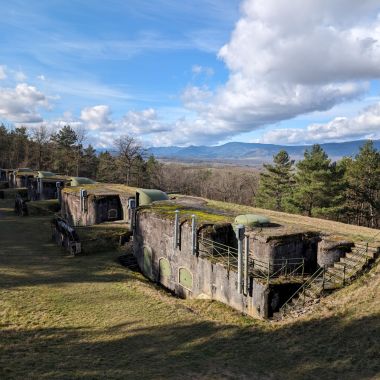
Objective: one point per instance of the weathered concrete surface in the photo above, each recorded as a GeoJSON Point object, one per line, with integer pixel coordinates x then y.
{"type": "Point", "coordinates": [209, 280]}
{"type": "Point", "coordinates": [97, 208]}
{"type": "Point", "coordinates": [331, 251]}
{"type": "Point", "coordinates": [267, 248]}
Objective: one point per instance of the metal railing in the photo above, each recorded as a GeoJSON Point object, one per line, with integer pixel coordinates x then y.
{"type": "Point", "coordinates": [322, 278]}
{"type": "Point", "coordinates": [222, 253]}
{"type": "Point", "coordinates": [292, 267]}
{"type": "Point", "coordinates": [228, 256]}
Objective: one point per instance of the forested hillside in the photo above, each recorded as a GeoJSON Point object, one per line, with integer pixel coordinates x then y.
{"type": "Point", "coordinates": [347, 190]}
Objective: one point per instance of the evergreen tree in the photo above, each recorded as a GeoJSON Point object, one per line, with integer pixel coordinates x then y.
{"type": "Point", "coordinates": [66, 152]}
{"type": "Point", "coordinates": [89, 162]}
{"type": "Point", "coordinates": [363, 192]}
{"type": "Point", "coordinates": [107, 168]}
{"type": "Point", "coordinates": [314, 181]}
{"type": "Point", "coordinates": [276, 183]}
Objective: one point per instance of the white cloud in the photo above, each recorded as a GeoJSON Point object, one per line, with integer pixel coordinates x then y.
{"type": "Point", "coordinates": [365, 125]}
{"type": "Point", "coordinates": [288, 58]}
{"type": "Point", "coordinates": [3, 73]}
{"type": "Point", "coordinates": [142, 123]}
{"type": "Point", "coordinates": [198, 69]}
{"type": "Point", "coordinates": [41, 77]}
{"type": "Point", "coordinates": [21, 104]}
{"type": "Point", "coordinates": [96, 117]}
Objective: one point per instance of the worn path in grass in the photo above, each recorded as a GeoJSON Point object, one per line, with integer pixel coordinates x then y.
{"type": "Point", "coordinates": [87, 317]}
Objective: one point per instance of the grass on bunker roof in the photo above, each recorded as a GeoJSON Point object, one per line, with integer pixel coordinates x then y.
{"type": "Point", "coordinates": [294, 221]}
{"type": "Point", "coordinates": [87, 317]}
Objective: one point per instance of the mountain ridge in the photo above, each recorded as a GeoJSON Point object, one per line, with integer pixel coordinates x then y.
{"type": "Point", "coordinates": [254, 151]}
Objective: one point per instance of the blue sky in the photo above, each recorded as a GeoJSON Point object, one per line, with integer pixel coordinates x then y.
{"type": "Point", "coordinates": [195, 72]}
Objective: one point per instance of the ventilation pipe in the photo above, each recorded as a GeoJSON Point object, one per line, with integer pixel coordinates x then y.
{"type": "Point", "coordinates": [193, 234]}
{"type": "Point", "coordinates": [83, 196]}
{"type": "Point", "coordinates": [246, 254]}
{"type": "Point", "coordinates": [240, 230]}
{"type": "Point", "coordinates": [176, 239]}
{"type": "Point", "coordinates": [132, 211]}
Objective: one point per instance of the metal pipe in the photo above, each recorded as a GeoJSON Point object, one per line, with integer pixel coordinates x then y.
{"type": "Point", "coordinates": [193, 234]}
{"type": "Point", "coordinates": [246, 254]}
{"type": "Point", "coordinates": [176, 229]}
{"type": "Point", "coordinates": [240, 236]}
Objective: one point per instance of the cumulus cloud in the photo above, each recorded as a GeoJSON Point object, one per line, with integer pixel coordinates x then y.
{"type": "Point", "coordinates": [21, 104]}
{"type": "Point", "coordinates": [142, 122]}
{"type": "Point", "coordinates": [288, 59]}
{"type": "Point", "coordinates": [365, 125]}
{"type": "Point", "coordinates": [96, 117]}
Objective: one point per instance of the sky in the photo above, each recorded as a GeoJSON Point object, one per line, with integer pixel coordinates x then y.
{"type": "Point", "coordinates": [196, 72]}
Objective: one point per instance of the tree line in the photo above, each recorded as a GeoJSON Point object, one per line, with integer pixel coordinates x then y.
{"type": "Point", "coordinates": [346, 190]}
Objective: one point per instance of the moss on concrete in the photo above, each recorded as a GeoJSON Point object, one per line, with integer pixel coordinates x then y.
{"type": "Point", "coordinates": [167, 210]}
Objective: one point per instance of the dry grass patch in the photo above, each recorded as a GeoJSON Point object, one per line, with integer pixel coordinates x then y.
{"type": "Point", "coordinates": [86, 317]}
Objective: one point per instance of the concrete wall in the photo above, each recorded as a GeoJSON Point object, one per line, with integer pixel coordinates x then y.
{"type": "Point", "coordinates": [330, 251]}
{"type": "Point", "coordinates": [210, 280]}
{"type": "Point", "coordinates": [291, 246]}
{"type": "Point", "coordinates": [71, 209]}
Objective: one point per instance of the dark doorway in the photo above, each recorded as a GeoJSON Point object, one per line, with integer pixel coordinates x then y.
{"type": "Point", "coordinates": [109, 209]}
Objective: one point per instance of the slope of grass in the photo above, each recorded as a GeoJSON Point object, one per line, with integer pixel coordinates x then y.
{"type": "Point", "coordinates": [86, 317]}
{"type": "Point", "coordinates": [353, 232]}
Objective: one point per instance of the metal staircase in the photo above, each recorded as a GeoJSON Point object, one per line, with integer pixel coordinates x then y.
{"type": "Point", "coordinates": [327, 279]}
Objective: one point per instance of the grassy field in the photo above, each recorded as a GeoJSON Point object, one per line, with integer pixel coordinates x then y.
{"type": "Point", "coordinates": [87, 317]}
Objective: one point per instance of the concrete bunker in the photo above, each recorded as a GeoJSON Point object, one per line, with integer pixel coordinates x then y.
{"type": "Point", "coordinates": [194, 252]}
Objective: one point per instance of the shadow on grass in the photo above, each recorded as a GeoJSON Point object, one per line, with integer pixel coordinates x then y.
{"type": "Point", "coordinates": [29, 257]}
{"type": "Point", "coordinates": [323, 349]}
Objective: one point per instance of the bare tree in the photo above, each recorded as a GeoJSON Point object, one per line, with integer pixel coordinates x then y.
{"type": "Point", "coordinates": [41, 137]}
{"type": "Point", "coordinates": [81, 133]}
{"type": "Point", "coordinates": [130, 151]}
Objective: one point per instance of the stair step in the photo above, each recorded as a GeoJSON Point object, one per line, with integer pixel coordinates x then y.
{"type": "Point", "coordinates": [311, 293]}
{"type": "Point", "coordinates": [369, 254]}
{"type": "Point", "coordinates": [355, 257]}
{"type": "Point", "coordinates": [370, 248]}
{"type": "Point", "coordinates": [335, 272]}
{"type": "Point", "coordinates": [349, 265]}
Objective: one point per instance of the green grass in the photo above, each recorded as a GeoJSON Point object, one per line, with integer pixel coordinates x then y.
{"type": "Point", "coordinates": [295, 221]}
{"type": "Point", "coordinates": [86, 317]}
{"type": "Point", "coordinates": [46, 207]}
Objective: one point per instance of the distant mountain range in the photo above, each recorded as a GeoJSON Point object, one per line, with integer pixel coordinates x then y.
{"type": "Point", "coordinates": [251, 153]}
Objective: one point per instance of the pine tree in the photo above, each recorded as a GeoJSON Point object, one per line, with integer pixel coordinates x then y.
{"type": "Point", "coordinates": [276, 183]}
{"type": "Point", "coordinates": [90, 161]}
{"type": "Point", "coordinates": [65, 155]}
{"type": "Point", "coordinates": [314, 181]}
{"type": "Point", "coordinates": [363, 192]}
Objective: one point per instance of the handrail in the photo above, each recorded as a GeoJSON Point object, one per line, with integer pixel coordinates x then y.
{"type": "Point", "coordinates": [322, 272]}
{"type": "Point", "coordinates": [257, 268]}
{"type": "Point", "coordinates": [302, 288]}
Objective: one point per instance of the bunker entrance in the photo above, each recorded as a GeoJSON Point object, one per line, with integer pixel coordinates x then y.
{"type": "Point", "coordinates": [279, 294]}
{"type": "Point", "coordinates": [108, 209]}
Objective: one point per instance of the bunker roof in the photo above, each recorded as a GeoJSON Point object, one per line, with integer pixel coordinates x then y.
{"type": "Point", "coordinates": [45, 174]}
{"type": "Point", "coordinates": [147, 196]}
{"type": "Point", "coordinates": [79, 181]}
{"type": "Point", "coordinates": [101, 189]}
{"type": "Point", "coordinates": [25, 172]}
{"type": "Point", "coordinates": [281, 225]}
